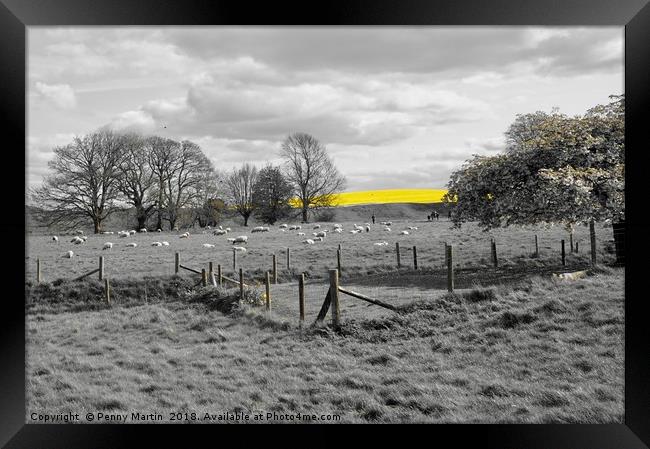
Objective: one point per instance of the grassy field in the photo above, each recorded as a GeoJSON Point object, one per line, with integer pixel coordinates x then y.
{"type": "Point", "coordinates": [360, 257]}
{"type": "Point", "coordinates": [532, 350]}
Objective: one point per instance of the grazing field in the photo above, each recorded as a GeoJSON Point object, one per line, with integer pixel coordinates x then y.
{"type": "Point", "coordinates": [360, 257]}
{"type": "Point", "coordinates": [536, 350]}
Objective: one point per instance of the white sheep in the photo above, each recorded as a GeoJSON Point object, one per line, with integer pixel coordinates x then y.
{"type": "Point", "coordinates": [143, 230]}
{"type": "Point", "coordinates": [156, 244]}
{"type": "Point", "coordinates": [107, 245]}
{"type": "Point", "coordinates": [79, 232]}
{"type": "Point", "coordinates": [338, 230]}
{"type": "Point", "coordinates": [55, 238]}
{"type": "Point", "coordinates": [404, 233]}
{"type": "Point", "coordinates": [357, 227]}
{"type": "Point", "coordinates": [184, 235]}
{"type": "Point", "coordinates": [165, 243]}
{"type": "Point", "coordinates": [294, 227]}
{"type": "Point", "coordinates": [355, 231]}
{"type": "Point", "coordinates": [240, 249]}
{"type": "Point", "coordinates": [366, 224]}
{"type": "Point", "coordinates": [367, 228]}
{"type": "Point", "coordinates": [219, 232]}
{"type": "Point", "coordinates": [260, 229]}
{"type": "Point", "coordinates": [208, 245]}
{"type": "Point", "coordinates": [317, 226]}
{"type": "Point", "coordinates": [381, 244]}
{"type": "Point", "coordinates": [301, 233]}
{"type": "Point", "coordinates": [337, 225]}
{"type": "Point", "coordinates": [228, 229]}
{"type": "Point", "coordinates": [123, 233]}
{"type": "Point", "coordinates": [84, 237]}
{"type": "Point", "coordinates": [240, 239]}
{"type": "Point", "coordinates": [308, 242]}
{"type": "Point", "coordinates": [284, 226]}
{"type": "Point", "coordinates": [158, 230]}
{"type": "Point", "coordinates": [132, 232]}
{"type": "Point", "coordinates": [131, 245]}
{"type": "Point", "coordinates": [387, 229]}
{"type": "Point", "coordinates": [69, 254]}
{"type": "Point", "coordinates": [412, 228]}
{"type": "Point", "coordinates": [318, 239]}
{"type": "Point", "coordinates": [77, 240]}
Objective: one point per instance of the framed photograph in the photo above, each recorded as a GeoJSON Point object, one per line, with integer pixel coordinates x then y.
{"type": "Point", "coordinates": [355, 213]}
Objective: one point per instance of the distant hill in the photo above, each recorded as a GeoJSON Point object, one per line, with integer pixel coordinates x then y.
{"type": "Point", "coordinates": [390, 196]}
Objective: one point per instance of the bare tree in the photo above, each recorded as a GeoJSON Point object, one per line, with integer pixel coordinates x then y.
{"type": "Point", "coordinates": [136, 178]}
{"type": "Point", "coordinates": [240, 184]}
{"type": "Point", "coordinates": [183, 185]}
{"type": "Point", "coordinates": [83, 184]}
{"type": "Point", "coordinates": [311, 172]}
{"type": "Point", "coordinates": [161, 154]}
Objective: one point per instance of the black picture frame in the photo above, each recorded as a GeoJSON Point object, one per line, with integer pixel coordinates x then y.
{"type": "Point", "coordinates": [16, 15]}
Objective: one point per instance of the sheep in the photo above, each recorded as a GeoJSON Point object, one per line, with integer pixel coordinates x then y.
{"type": "Point", "coordinates": [158, 230]}
{"type": "Point", "coordinates": [355, 231]}
{"type": "Point", "coordinates": [570, 276]}
{"type": "Point", "coordinates": [260, 229]}
{"type": "Point", "coordinates": [132, 232]}
{"type": "Point", "coordinates": [131, 245]}
{"type": "Point", "coordinates": [322, 234]}
{"type": "Point", "coordinates": [366, 224]}
{"type": "Point", "coordinates": [337, 225]}
{"type": "Point", "coordinates": [241, 239]}
{"type": "Point", "coordinates": [318, 239]}
{"type": "Point", "coordinates": [156, 244]}
{"type": "Point", "coordinates": [84, 237]}
{"type": "Point", "coordinates": [294, 227]}
{"type": "Point", "coordinates": [123, 233]}
{"type": "Point", "coordinates": [308, 242]}
{"type": "Point", "coordinates": [208, 245]}
{"type": "Point", "coordinates": [219, 232]}
{"type": "Point", "coordinates": [231, 240]}
{"type": "Point", "coordinates": [184, 235]}
{"type": "Point", "coordinates": [357, 227]}
{"type": "Point", "coordinates": [284, 226]}
{"type": "Point", "coordinates": [77, 240]}
{"type": "Point", "coordinates": [387, 223]}
{"type": "Point", "coordinates": [107, 232]}
{"type": "Point", "coordinates": [412, 228]}
{"type": "Point", "coordinates": [301, 233]}
{"type": "Point", "coordinates": [367, 228]}
{"type": "Point", "coordinates": [143, 230]}
{"type": "Point", "coordinates": [55, 238]}
{"type": "Point", "coordinates": [107, 245]}
{"type": "Point", "coordinates": [381, 244]}
{"type": "Point", "coordinates": [338, 230]}
{"type": "Point", "coordinates": [79, 232]}
{"type": "Point", "coordinates": [69, 254]}
{"type": "Point", "coordinates": [209, 227]}
{"type": "Point", "coordinates": [165, 243]}
{"type": "Point", "coordinates": [228, 229]}
{"type": "Point", "coordinates": [240, 249]}
{"type": "Point", "coordinates": [387, 229]}
{"type": "Point", "coordinates": [317, 226]}
{"type": "Point", "coordinates": [404, 233]}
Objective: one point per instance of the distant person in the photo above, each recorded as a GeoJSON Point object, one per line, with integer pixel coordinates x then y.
{"type": "Point", "coordinates": [373, 218]}
{"type": "Point", "coordinates": [428, 217]}
{"type": "Point", "coordinates": [449, 215]}
{"type": "Point", "coordinates": [437, 215]}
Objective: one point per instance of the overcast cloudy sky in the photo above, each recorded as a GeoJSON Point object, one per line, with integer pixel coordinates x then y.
{"type": "Point", "coordinates": [397, 107]}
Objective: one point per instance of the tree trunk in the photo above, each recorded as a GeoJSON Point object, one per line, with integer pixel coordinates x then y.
{"type": "Point", "coordinates": [97, 222]}
{"type": "Point", "coordinates": [141, 215]}
{"type": "Point", "coordinates": [592, 238]}
{"type": "Point", "coordinates": [304, 214]}
{"type": "Point", "coordinates": [245, 220]}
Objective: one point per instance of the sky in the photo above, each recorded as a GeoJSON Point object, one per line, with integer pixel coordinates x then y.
{"type": "Point", "coordinates": [396, 107]}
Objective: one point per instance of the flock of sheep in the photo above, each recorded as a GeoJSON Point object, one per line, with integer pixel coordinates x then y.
{"type": "Point", "coordinates": [319, 235]}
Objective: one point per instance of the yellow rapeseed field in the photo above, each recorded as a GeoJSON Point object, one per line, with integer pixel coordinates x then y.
{"type": "Point", "coordinates": [423, 196]}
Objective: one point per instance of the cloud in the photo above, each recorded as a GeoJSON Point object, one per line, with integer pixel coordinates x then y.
{"type": "Point", "coordinates": [60, 95]}
{"type": "Point", "coordinates": [486, 145]}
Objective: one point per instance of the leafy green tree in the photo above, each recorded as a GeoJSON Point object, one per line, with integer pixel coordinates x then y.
{"type": "Point", "coordinates": [271, 195]}
{"type": "Point", "coordinates": [559, 169]}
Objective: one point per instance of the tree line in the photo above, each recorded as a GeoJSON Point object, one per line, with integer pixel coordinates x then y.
{"type": "Point", "coordinates": [175, 183]}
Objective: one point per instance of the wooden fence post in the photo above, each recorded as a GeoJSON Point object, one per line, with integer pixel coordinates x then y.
{"type": "Point", "coordinates": [38, 270]}
{"type": "Point", "coordinates": [415, 257]}
{"type": "Point", "coordinates": [495, 261]}
{"type": "Point", "coordinates": [339, 247]}
{"type": "Point", "coordinates": [204, 278]}
{"type": "Point", "coordinates": [101, 268]}
{"type": "Point", "coordinates": [576, 246]}
{"type": "Point", "coordinates": [268, 292]}
{"type": "Point", "coordinates": [241, 284]}
{"type": "Point", "coordinates": [301, 298]}
{"type": "Point", "coordinates": [338, 259]}
{"type": "Point", "coordinates": [275, 270]}
{"type": "Point", "coordinates": [446, 255]}
{"type": "Point", "coordinates": [450, 269]}
{"type": "Point", "coordinates": [107, 291]}
{"type": "Point", "coordinates": [536, 247]}
{"type": "Point", "coordinates": [399, 262]}
{"type": "Point", "coordinates": [210, 269]}
{"type": "Point", "coordinates": [288, 260]}
{"type": "Point", "coordinates": [219, 276]}
{"type": "Point", "coordinates": [592, 237]}
{"type": "Point", "coordinates": [177, 262]}
{"type": "Point", "coordinates": [234, 260]}
{"type": "Point", "coordinates": [571, 241]}
{"type": "Point", "coordinates": [334, 292]}
{"type": "Point", "coordinates": [563, 255]}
